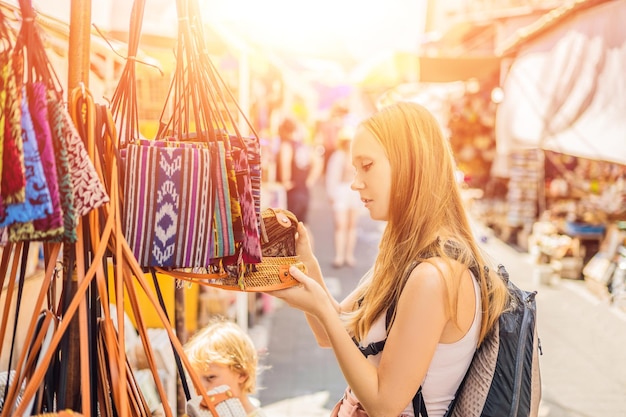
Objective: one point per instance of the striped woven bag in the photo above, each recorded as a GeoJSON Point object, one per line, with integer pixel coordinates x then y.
{"type": "Point", "coordinates": [169, 203]}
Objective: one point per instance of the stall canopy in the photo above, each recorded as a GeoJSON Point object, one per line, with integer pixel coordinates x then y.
{"type": "Point", "coordinates": [566, 89]}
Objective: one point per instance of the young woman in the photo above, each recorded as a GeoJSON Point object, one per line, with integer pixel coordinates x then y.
{"type": "Point", "coordinates": [405, 176]}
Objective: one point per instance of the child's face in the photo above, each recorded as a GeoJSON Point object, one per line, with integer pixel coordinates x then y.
{"type": "Point", "coordinates": [218, 374]}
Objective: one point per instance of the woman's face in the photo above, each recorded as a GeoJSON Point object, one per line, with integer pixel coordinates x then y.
{"type": "Point", "coordinates": [372, 177]}
{"type": "Point", "coordinates": [217, 374]}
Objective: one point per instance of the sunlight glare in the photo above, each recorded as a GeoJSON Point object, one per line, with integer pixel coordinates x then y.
{"type": "Point", "coordinates": [292, 24]}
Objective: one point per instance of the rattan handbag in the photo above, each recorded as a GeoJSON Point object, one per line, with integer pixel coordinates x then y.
{"type": "Point", "coordinates": [278, 247]}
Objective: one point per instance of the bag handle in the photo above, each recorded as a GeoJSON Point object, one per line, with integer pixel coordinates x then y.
{"type": "Point", "coordinates": [124, 100]}
{"type": "Point", "coordinates": [14, 388]}
{"type": "Point", "coordinates": [12, 249]}
{"type": "Point", "coordinates": [179, 364]}
{"type": "Point", "coordinates": [20, 291]}
{"type": "Point", "coordinates": [128, 268]}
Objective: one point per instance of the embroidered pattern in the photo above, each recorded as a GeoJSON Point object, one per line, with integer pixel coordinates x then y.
{"type": "Point", "coordinates": [58, 131]}
{"type": "Point", "coordinates": [13, 171]}
{"type": "Point", "coordinates": [52, 224]}
{"type": "Point", "coordinates": [89, 192]}
{"type": "Point", "coordinates": [37, 203]}
{"type": "Point", "coordinates": [169, 200]}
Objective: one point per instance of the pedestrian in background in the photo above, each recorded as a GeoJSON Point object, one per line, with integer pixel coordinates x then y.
{"type": "Point", "coordinates": [223, 354]}
{"type": "Point", "coordinates": [298, 167]}
{"type": "Point", "coordinates": [328, 130]}
{"type": "Point", "coordinates": [345, 202]}
{"type": "Point", "coordinates": [439, 310]}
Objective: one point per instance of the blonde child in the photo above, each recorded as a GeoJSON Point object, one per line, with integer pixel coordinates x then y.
{"type": "Point", "coordinates": [223, 354]}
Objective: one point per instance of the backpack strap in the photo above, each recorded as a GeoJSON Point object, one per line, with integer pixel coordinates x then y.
{"type": "Point", "coordinates": [419, 404]}
{"type": "Point", "coordinates": [373, 348]}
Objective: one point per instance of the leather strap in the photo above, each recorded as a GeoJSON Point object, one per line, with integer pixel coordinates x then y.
{"type": "Point", "coordinates": [215, 399]}
{"type": "Point", "coordinates": [205, 279]}
{"type": "Point", "coordinates": [179, 364]}
{"type": "Point", "coordinates": [191, 276]}
{"type": "Point", "coordinates": [17, 249]}
{"type": "Point", "coordinates": [82, 287]}
{"type": "Point", "coordinates": [85, 386]}
{"type": "Point", "coordinates": [124, 100]}
{"type": "Point", "coordinates": [13, 390]}
{"type": "Point", "coordinates": [137, 272]}
{"type": "Point", "coordinates": [128, 268]}
{"type": "Point", "coordinates": [104, 400]}
{"type": "Point", "coordinates": [4, 263]}
{"type": "Point", "coordinates": [45, 327]}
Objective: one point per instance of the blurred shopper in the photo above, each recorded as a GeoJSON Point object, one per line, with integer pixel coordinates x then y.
{"type": "Point", "coordinates": [346, 203]}
{"type": "Point", "coordinates": [223, 354]}
{"type": "Point", "coordinates": [298, 167]}
{"type": "Point", "coordinates": [328, 131]}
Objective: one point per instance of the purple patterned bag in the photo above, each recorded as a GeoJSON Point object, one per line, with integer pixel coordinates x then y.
{"type": "Point", "coordinates": [169, 203]}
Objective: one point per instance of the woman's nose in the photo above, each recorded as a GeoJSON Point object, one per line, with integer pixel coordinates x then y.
{"type": "Point", "coordinates": [356, 184]}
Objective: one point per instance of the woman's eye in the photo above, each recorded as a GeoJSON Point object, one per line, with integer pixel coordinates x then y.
{"type": "Point", "coordinates": [366, 166]}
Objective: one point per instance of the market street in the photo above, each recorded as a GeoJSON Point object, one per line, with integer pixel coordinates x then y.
{"type": "Point", "coordinates": [583, 366]}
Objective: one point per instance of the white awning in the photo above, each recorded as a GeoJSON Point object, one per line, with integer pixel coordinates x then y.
{"type": "Point", "coordinates": [566, 91]}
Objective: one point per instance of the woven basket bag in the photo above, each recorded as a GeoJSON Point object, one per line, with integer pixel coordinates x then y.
{"type": "Point", "coordinates": [278, 247]}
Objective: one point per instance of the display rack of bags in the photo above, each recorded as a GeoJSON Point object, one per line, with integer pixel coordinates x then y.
{"type": "Point", "coordinates": [84, 138]}
{"type": "Point", "coordinates": [192, 194]}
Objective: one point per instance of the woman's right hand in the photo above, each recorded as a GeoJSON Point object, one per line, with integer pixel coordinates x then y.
{"type": "Point", "coordinates": [308, 296]}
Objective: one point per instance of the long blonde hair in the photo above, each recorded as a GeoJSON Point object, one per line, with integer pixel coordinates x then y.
{"type": "Point", "coordinates": [425, 212]}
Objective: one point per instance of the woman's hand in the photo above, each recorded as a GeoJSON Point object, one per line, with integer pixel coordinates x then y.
{"type": "Point", "coordinates": [305, 252]}
{"type": "Point", "coordinates": [309, 296]}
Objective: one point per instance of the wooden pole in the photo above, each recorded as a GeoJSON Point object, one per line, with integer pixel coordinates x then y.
{"type": "Point", "coordinates": [79, 44]}
{"type": "Point", "coordinates": [78, 74]}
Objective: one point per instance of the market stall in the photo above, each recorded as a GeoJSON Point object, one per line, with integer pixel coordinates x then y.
{"type": "Point", "coordinates": [560, 133]}
{"type": "Point", "coordinates": [77, 186]}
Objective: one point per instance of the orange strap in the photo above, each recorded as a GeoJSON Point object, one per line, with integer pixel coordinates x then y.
{"type": "Point", "coordinates": [13, 389]}
{"type": "Point", "coordinates": [16, 250]}
{"type": "Point", "coordinates": [39, 373]}
{"type": "Point", "coordinates": [108, 236]}
{"type": "Point", "coordinates": [287, 281]}
{"type": "Point", "coordinates": [215, 399]}
{"type": "Point", "coordinates": [7, 250]}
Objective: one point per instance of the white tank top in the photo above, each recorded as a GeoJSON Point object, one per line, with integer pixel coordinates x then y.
{"type": "Point", "coordinates": [448, 366]}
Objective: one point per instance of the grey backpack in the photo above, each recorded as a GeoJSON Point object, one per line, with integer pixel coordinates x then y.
{"type": "Point", "coordinates": [503, 379]}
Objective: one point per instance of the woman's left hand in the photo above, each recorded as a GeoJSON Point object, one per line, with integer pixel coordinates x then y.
{"type": "Point", "coordinates": [308, 296]}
